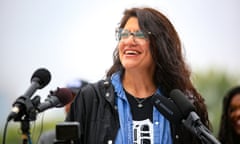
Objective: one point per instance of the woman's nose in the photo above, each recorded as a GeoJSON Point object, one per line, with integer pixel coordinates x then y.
{"type": "Point", "coordinates": [130, 39]}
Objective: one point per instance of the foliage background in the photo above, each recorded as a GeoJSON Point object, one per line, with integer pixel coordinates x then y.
{"type": "Point", "coordinates": [213, 84]}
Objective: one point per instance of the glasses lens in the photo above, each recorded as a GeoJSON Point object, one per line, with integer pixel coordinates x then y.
{"type": "Point", "coordinates": [117, 33]}
{"type": "Point", "coordinates": [139, 34]}
{"type": "Point", "coordinates": [124, 34]}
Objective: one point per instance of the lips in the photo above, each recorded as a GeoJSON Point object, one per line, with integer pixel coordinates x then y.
{"type": "Point", "coordinates": [237, 123]}
{"type": "Point", "coordinates": [131, 52]}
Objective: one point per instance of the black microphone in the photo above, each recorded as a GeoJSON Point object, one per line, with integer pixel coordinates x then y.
{"type": "Point", "coordinates": [167, 108]}
{"type": "Point", "coordinates": [40, 78]}
{"type": "Point", "coordinates": [191, 120]}
{"type": "Point", "coordinates": [181, 101]}
{"type": "Point", "coordinates": [58, 98]}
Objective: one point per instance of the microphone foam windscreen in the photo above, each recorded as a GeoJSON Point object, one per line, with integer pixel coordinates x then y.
{"type": "Point", "coordinates": [167, 108]}
{"type": "Point", "coordinates": [182, 102]}
{"type": "Point", "coordinates": [64, 95]}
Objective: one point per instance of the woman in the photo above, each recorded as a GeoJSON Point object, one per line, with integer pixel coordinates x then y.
{"type": "Point", "coordinates": [148, 60]}
{"type": "Point", "coordinates": [229, 132]}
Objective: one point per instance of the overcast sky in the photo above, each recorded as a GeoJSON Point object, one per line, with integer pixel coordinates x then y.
{"type": "Point", "coordinates": [75, 39]}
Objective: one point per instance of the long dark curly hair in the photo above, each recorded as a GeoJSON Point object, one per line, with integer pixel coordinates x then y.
{"type": "Point", "coordinates": [166, 49]}
{"type": "Point", "coordinates": [226, 134]}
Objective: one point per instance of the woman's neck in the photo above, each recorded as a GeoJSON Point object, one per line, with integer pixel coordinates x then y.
{"type": "Point", "coordinates": [139, 85]}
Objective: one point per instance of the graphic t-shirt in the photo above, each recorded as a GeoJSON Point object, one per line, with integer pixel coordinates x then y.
{"type": "Point", "coordinates": [142, 132]}
{"type": "Point", "coordinates": [142, 110]}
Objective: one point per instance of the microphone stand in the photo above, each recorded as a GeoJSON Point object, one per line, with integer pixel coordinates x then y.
{"type": "Point", "coordinates": [28, 115]}
{"type": "Point", "coordinates": [194, 124]}
{"type": "Point", "coordinates": [25, 126]}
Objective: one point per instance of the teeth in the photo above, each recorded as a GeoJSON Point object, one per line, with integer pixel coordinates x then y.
{"type": "Point", "coordinates": [131, 52]}
{"type": "Point", "coordinates": [238, 122]}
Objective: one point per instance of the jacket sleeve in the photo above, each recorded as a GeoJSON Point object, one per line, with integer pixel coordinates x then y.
{"type": "Point", "coordinates": [80, 109]}
{"type": "Point", "coordinates": [94, 113]}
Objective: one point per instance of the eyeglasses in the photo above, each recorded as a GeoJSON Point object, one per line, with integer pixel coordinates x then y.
{"type": "Point", "coordinates": [122, 34]}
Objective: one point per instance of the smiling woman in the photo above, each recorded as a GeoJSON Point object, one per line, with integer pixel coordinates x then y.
{"type": "Point", "coordinates": [148, 61]}
{"type": "Point", "coordinates": [73, 32]}
{"type": "Point", "coordinates": [134, 51]}
{"type": "Point", "coordinates": [229, 132]}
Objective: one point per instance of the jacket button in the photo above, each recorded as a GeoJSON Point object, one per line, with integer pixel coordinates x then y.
{"type": "Point", "coordinates": [177, 137]}
{"type": "Point", "coordinates": [107, 94]}
{"type": "Point", "coordinates": [106, 84]}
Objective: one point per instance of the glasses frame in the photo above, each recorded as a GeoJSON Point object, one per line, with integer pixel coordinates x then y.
{"type": "Point", "coordinates": [119, 33]}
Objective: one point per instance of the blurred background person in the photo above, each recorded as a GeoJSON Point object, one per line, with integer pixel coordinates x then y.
{"type": "Point", "coordinates": [48, 137]}
{"type": "Point", "coordinates": [229, 132]}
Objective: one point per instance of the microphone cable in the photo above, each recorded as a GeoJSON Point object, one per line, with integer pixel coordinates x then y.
{"type": "Point", "coordinates": [41, 128]}
{"type": "Point", "coordinates": [5, 133]}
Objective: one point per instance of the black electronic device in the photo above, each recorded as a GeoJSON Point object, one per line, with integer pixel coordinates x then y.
{"type": "Point", "coordinates": [67, 132]}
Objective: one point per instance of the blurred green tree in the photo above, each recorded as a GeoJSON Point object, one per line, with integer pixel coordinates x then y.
{"type": "Point", "coordinates": [213, 84]}
{"type": "Point", "coordinates": [14, 133]}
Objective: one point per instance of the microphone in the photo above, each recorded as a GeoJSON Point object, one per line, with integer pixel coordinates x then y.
{"type": "Point", "coordinates": [58, 98]}
{"type": "Point", "coordinates": [167, 108]}
{"type": "Point", "coordinates": [181, 101]}
{"type": "Point", "coordinates": [191, 120]}
{"type": "Point", "coordinates": [40, 78]}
